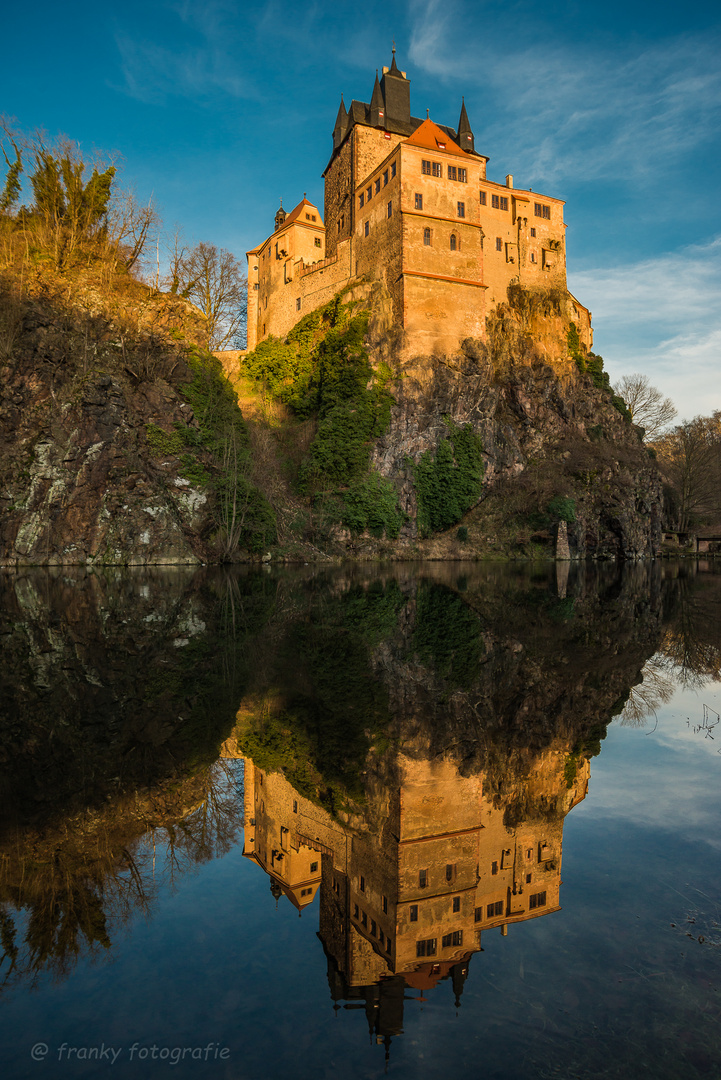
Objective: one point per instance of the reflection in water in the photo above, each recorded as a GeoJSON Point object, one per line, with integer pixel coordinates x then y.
{"type": "Point", "coordinates": [405, 907]}
{"type": "Point", "coordinates": [75, 885]}
{"type": "Point", "coordinates": [411, 744]}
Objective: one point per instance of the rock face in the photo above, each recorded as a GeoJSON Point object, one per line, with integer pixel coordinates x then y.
{"type": "Point", "coordinates": [546, 431]}
{"type": "Point", "coordinates": [81, 385]}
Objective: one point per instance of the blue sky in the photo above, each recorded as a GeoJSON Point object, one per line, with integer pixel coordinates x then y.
{"type": "Point", "coordinates": [218, 109]}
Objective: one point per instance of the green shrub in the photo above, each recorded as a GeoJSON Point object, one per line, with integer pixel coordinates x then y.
{"type": "Point", "coordinates": [462, 534]}
{"type": "Point", "coordinates": [562, 508]}
{"type": "Point", "coordinates": [448, 483]}
{"type": "Point", "coordinates": [372, 503]}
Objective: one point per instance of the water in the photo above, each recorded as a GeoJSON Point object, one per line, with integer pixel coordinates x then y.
{"type": "Point", "coordinates": [224, 794]}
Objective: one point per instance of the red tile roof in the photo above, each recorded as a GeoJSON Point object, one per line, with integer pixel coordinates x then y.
{"type": "Point", "coordinates": [431, 137]}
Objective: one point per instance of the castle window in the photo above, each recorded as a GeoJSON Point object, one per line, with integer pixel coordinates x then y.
{"type": "Point", "coordinates": [378, 185]}
{"type": "Point", "coordinates": [426, 168]}
{"type": "Point", "coordinates": [449, 940]}
{"type": "Point", "coordinates": [533, 232]}
{"type": "Point", "coordinates": [478, 914]}
{"type": "Point", "coordinates": [423, 879]}
{"type": "Point", "coordinates": [456, 903]}
{"type": "Point", "coordinates": [393, 169]}
{"type": "Point", "coordinates": [307, 217]}
{"type": "Point", "coordinates": [364, 919]}
{"type": "Point", "coordinates": [495, 201]}
{"type": "Point", "coordinates": [317, 241]}
{"type": "Point", "coordinates": [356, 913]}
{"type": "Point", "coordinates": [414, 912]}
{"type": "Point", "coordinates": [256, 287]}
{"type": "Point", "coordinates": [462, 176]}
{"type": "Point", "coordinates": [373, 928]}
{"type": "Point", "coordinates": [427, 237]}
{"type": "Point", "coordinates": [499, 244]}
{"type": "Point", "coordinates": [541, 210]}
{"type": "Point", "coordinates": [494, 865]}
{"type": "Point", "coordinates": [385, 905]}
{"type": "Point", "coordinates": [482, 198]}
{"type": "Point", "coordinates": [461, 209]}
{"type": "Point", "coordinates": [314, 868]}
{"type": "Point", "coordinates": [362, 884]}
{"type": "Point", "coordinates": [437, 168]}
{"type": "Point", "coordinates": [426, 948]}
{"type": "Point", "coordinates": [494, 909]}
{"type": "Point", "coordinates": [389, 942]}
{"type": "Point", "coordinates": [361, 199]}
{"type": "Point", "coordinates": [504, 202]}
{"type": "Point", "coordinates": [369, 193]}
{"type": "Point", "coordinates": [367, 228]}
{"type": "Point", "coordinates": [454, 242]}
{"type": "Point", "coordinates": [419, 201]}
{"type": "Point", "coordinates": [390, 209]}
{"type": "Point", "coordinates": [297, 304]}
{"type": "Point", "coordinates": [385, 177]}
{"type": "Point", "coordinates": [533, 256]}
{"type": "Point", "coordinates": [452, 172]}
{"type": "Point", "coordinates": [537, 900]}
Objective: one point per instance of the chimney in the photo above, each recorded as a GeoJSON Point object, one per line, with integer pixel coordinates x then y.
{"type": "Point", "coordinates": [509, 180]}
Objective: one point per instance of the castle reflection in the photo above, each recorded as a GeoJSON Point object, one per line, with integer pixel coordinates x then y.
{"type": "Point", "coordinates": [404, 907]}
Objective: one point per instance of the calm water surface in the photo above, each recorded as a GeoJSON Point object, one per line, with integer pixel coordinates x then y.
{"type": "Point", "coordinates": [406, 821]}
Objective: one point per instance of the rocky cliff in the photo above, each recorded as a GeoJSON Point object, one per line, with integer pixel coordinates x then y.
{"type": "Point", "coordinates": [113, 424]}
{"type": "Point", "coordinates": [122, 443]}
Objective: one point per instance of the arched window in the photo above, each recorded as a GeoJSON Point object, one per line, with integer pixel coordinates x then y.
{"type": "Point", "coordinates": [454, 242]}
{"type": "Point", "coordinates": [427, 237]}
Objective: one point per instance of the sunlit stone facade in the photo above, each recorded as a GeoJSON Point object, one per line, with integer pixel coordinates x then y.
{"type": "Point", "coordinates": [408, 201]}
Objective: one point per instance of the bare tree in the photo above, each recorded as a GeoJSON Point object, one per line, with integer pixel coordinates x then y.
{"type": "Point", "coordinates": [690, 458]}
{"type": "Point", "coordinates": [214, 280]}
{"type": "Point", "coordinates": [130, 226]}
{"type": "Point", "coordinates": [647, 405]}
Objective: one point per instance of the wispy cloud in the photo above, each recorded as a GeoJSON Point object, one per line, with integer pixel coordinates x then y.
{"type": "Point", "coordinates": [662, 317]}
{"type": "Point", "coordinates": [572, 109]}
{"type": "Point", "coordinates": [200, 69]}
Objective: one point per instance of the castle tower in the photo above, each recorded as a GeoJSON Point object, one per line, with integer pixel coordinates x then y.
{"type": "Point", "coordinates": [396, 91]}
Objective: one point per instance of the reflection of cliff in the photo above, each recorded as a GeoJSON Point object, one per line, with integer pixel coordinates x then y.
{"type": "Point", "coordinates": [405, 905]}
{"type": "Point", "coordinates": [110, 681]}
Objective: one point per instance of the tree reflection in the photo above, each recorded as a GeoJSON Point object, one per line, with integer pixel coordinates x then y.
{"type": "Point", "coordinates": [655, 689]}
{"type": "Point", "coordinates": [63, 895]}
{"type": "Point", "coordinates": [691, 641]}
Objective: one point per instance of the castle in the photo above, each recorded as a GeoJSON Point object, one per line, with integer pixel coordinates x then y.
{"type": "Point", "coordinates": [408, 201]}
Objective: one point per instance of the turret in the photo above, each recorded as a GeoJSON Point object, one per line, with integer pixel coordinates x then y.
{"type": "Point", "coordinates": [341, 125]}
{"type": "Point", "coordinates": [280, 217]}
{"type": "Point", "coordinates": [465, 135]}
{"type": "Point", "coordinates": [377, 109]}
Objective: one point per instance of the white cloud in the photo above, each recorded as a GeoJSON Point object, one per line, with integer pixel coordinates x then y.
{"type": "Point", "coordinates": [662, 317]}
{"type": "Point", "coordinates": [569, 110]}
{"type": "Point", "coordinates": [207, 65]}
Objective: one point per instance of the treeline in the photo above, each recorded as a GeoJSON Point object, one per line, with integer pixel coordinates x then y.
{"type": "Point", "coordinates": [688, 454]}
{"type": "Point", "coordinates": [60, 207]}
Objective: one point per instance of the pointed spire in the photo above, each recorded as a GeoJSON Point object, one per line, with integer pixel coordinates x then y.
{"type": "Point", "coordinates": [340, 128]}
{"type": "Point", "coordinates": [394, 70]}
{"type": "Point", "coordinates": [378, 109]}
{"type": "Point", "coordinates": [465, 134]}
